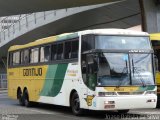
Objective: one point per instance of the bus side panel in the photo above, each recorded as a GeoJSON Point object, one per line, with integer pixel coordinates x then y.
{"type": "Point", "coordinates": [32, 78]}
{"type": "Point", "coordinates": [13, 82]}
{"type": "Point", "coordinates": [61, 79]}
{"type": "Point", "coordinates": [53, 86]}
{"type": "Point", "coordinates": [56, 85]}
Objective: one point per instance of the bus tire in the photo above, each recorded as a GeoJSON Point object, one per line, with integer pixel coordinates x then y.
{"type": "Point", "coordinates": [20, 98]}
{"type": "Point", "coordinates": [123, 111]}
{"type": "Point", "coordinates": [75, 104]}
{"type": "Point", "coordinates": [27, 103]}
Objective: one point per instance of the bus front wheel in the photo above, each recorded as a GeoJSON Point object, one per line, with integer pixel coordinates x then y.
{"type": "Point", "coordinates": [75, 104]}
{"type": "Point", "coordinates": [123, 111]}
{"type": "Point", "coordinates": [20, 98]}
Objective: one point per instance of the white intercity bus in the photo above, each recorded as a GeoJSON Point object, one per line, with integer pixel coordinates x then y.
{"type": "Point", "coordinates": [101, 69]}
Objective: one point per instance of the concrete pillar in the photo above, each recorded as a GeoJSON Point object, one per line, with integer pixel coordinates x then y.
{"type": "Point", "coordinates": [150, 10]}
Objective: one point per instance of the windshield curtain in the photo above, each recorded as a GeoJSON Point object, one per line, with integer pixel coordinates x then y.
{"type": "Point", "coordinates": [122, 42]}
{"type": "Point", "coordinates": [114, 69]}
{"type": "Point", "coordinates": [141, 69]}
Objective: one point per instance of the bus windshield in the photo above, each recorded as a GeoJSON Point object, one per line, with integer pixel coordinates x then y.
{"type": "Point", "coordinates": [125, 69]}
{"type": "Point", "coordinates": [122, 42]}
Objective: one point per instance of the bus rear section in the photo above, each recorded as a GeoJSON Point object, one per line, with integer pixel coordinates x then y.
{"type": "Point", "coordinates": [155, 39]}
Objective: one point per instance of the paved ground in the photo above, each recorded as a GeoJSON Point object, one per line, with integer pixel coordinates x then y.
{"type": "Point", "coordinates": [10, 110]}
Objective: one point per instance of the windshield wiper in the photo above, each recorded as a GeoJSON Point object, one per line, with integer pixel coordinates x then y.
{"type": "Point", "coordinates": [125, 70]}
{"type": "Point", "coordinates": [133, 67]}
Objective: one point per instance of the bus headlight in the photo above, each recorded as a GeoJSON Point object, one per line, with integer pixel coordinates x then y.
{"type": "Point", "coordinates": [103, 94]}
{"type": "Point", "coordinates": [151, 92]}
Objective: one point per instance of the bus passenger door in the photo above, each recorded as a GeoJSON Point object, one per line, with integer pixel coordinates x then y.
{"type": "Point", "coordinates": [89, 74]}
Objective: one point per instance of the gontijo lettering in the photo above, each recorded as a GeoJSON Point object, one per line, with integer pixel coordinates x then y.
{"type": "Point", "coordinates": [32, 72]}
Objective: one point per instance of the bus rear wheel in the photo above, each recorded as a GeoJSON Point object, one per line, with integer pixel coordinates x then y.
{"type": "Point", "coordinates": [75, 104]}
{"type": "Point", "coordinates": [20, 98]}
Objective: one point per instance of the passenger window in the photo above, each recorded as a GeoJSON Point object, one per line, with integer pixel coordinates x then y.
{"type": "Point", "coordinates": [34, 55]}
{"type": "Point", "coordinates": [25, 56]}
{"type": "Point", "coordinates": [16, 58]}
{"type": "Point", "coordinates": [45, 54]}
{"type": "Point", "coordinates": [22, 57]}
{"type": "Point", "coordinates": [54, 52]}
{"type": "Point", "coordinates": [67, 50]}
{"type": "Point", "coordinates": [60, 51]}
{"type": "Point", "coordinates": [74, 53]}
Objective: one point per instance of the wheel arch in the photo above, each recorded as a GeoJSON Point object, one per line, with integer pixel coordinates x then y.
{"type": "Point", "coordinates": [71, 93]}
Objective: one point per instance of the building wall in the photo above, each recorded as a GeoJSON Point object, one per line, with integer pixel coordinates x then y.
{"type": "Point", "coordinates": [3, 69]}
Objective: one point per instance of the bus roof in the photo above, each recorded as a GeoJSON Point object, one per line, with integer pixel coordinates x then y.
{"type": "Point", "coordinates": [155, 36]}
{"type": "Point", "coordinates": [124, 32]}
{"type": "Point", "coordinates": [76, 34]}
{"type": "Point", "coordinates": [45, 40]}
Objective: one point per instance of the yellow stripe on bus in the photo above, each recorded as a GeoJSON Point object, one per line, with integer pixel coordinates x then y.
{"type": "Point", "coordinates": [121, 89]}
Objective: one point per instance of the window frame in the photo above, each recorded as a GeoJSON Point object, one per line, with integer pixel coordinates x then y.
{"type": "Point", "coordinates": [69, 56]}
{"type": "Point", "coordinates": [61, 53]}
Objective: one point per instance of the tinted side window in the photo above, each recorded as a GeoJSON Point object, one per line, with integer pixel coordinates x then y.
{"type": "Point", "coordinates": [22, 60]}
{"type": "Point", "coordinates": [16, 58]}
{"type": "Point", "coordinates": [54, 52]}
{"type": "Point", "coordinates": [25, 56]}
{"type": "Point", "coordinates": [67, 50]}
{"type": "Point", "coordinates": [88, 42]}
{"type": "Point", "coordinates": [60, 51]}
{"type": "Point", "coordinates": [34, 55]}
{"type": "Point", "coordinates": [45, 54]}
{"type": "Point", "coordinates": [74, 53]}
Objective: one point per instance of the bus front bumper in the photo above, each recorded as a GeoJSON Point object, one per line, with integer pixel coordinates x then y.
{"type": "Point", "coordinates": [126, 102]}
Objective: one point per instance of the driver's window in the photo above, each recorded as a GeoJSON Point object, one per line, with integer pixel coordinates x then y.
{"type": "Point", "coordinates": [84, 69]}
{"type": "Point", "coordinates": [91, 72]}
